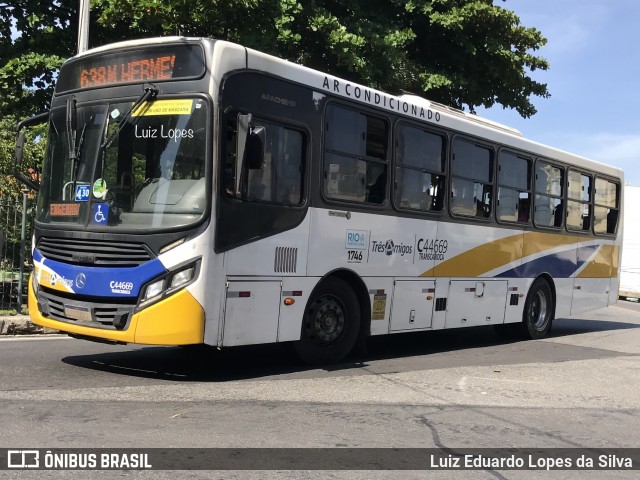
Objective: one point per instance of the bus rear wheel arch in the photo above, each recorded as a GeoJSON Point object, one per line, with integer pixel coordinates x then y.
{"type": "Point", "coordinates": [330, 324]}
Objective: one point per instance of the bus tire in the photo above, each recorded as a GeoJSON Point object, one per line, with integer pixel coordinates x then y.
{"type": "Point", "coordinates": [330, 324]}
{"type": "Point", "coordinates": [538, 311]}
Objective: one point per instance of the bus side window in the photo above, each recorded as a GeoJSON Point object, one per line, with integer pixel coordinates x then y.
{"type": "Point", "coordinates": [278, 176]}
{"type": "Point", "coordinates": [471, 184]}
{"type": "Point", "coordinates": [578, 201]}
{"type": "Point", "coordinates": [420, 165]}
{"type": "Point", "coordinates": [514, 188]}
{"type": "Point", "coordinates": [549, 188]}
{"type": "Point", "coordinates": [355, 156]}
{"type": "Point", "coordinates": [606, 206]}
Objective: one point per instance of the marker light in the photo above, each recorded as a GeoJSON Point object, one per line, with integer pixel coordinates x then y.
{"type": "Point", "coordinates": [34, 282]}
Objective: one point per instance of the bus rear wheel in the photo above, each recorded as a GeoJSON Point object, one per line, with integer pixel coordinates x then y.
{"type": "Point", "coordinates": [538, 311]}
{"type": "Point", "coordinates": [330, 324]}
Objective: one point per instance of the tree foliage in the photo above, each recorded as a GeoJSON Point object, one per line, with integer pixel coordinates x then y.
{"type": "Point", "coordinates": [464, 53]}
{"type": "Point", "coordinates": [35, 36]}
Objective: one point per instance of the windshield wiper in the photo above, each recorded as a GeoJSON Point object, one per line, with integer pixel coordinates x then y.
{"type": "Point", "coordinates": [71, 130]}
{"type": "Point", "coordinates": [74, 146]}
{"type": "Point", "coordinates": [149, 91]}
{"type": "Point", "coordinates": [79, 152]}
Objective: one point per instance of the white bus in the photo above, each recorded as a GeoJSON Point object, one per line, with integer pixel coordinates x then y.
{"type": "Point", "coordinates": [196, 191]}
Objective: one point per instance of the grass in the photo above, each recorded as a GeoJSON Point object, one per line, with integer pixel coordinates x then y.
{"type": "Point", "coordinates": [13, 311]}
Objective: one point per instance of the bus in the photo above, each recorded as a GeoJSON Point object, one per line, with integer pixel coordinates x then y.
{"type": "Point", "coordinates": [195, 191]}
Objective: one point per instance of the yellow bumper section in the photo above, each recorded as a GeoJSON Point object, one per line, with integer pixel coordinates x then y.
{"type": "Point", "coordinates": [176, 320]}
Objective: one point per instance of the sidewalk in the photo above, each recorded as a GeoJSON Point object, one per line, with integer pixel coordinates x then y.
{"type": "Point", "coordinates": [20, 325]}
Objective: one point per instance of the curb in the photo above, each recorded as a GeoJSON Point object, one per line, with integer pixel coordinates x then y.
{"type": "Point", "coordinates": [21, 325]}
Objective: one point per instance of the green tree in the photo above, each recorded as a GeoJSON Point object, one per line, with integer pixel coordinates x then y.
{"type": "Point", "coordinates": [464, 53]}
{"type": "Point", "coordinates": [35, 37]}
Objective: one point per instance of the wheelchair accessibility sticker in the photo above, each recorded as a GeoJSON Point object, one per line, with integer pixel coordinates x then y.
{"type": "Point", "coordinates": [100, 213]}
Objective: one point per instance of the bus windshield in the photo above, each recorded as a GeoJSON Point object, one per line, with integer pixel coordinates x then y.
{"type": "Point", "coordinates": [147, 172]}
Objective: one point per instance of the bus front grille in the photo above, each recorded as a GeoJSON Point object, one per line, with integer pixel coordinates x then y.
{"type": "Point", "coordinates": [94, 252]}
{"type": "Point", "coordinates": [97, 314]}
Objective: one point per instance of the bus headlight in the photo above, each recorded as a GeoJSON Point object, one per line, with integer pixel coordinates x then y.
{"type": "Point", "coordinates": [153, 290]}
{"type": "Point", "coordinates": [169, 283]}
{"type": "Point", "coordinates": [182, 278]}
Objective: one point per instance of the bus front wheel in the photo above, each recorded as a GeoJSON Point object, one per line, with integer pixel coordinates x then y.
{"type": "Point", "coordinates": [538, 311]}
{"type": "Point", "coordinates": [330, 324]}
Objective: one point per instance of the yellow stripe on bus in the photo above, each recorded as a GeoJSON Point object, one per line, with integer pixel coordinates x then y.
{"type": "Point", "coordinates": [604, 264]}
{"type": "Point", "coordinates": [489, 256]}
{"type": "Point", "coordinates": [481, 259]}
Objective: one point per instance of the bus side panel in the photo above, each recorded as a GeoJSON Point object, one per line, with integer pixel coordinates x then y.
{"type": "Point", "coordinates": [476, 303]}
{"type": "Point", "coordinates": [284, 253]}
{"type": "Point", "coordinates": [380, 296]}
{"type": "Point", "coordinates": [412, 307]}
{"type": "Point", "coordinates": [593, 282]}
{"type": "Point", "coordinates": [375, 247]}
{"type": "Point", "coordinates": [251, 312]}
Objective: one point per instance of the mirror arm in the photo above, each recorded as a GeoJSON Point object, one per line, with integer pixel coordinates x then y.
{"type": "Point", "coordinates": [24, 180]}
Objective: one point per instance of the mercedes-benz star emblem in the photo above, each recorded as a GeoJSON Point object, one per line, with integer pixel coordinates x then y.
{"type": "Point", "coordinates": [81, 280]}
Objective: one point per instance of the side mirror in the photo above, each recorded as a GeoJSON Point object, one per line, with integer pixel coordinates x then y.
{"type": "Point", "coordinates": [254, 153]}
{"type": "Point", "coordinates": [19, 152]}
{"type": "Point", "coordinates": [242, 132]}
{"type": "Point", "coordinates": [250, 143]}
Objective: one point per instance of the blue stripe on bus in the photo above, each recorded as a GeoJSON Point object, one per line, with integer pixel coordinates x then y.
{"type": "Point", "coordinates": [104, 281]}
{"type": "Point", "coordinates": [559, 265]}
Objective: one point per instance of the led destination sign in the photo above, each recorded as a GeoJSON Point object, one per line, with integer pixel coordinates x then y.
{"type": "Point", "coordinates": [145, 69]}
{"type": "Point", "coordinates": [150, 64]}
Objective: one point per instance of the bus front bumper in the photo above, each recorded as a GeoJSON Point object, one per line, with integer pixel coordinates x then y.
{"type": "Point", "coordinates": [176, 320]}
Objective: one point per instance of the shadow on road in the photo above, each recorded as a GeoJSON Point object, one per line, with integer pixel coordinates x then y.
{"type": "Point", "coordinates": [575, 326]}
{"type": "Point", "coordinates": [392, 353]}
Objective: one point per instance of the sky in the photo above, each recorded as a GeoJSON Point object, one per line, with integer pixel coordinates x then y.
{"type": "Point", "coordinates": [593, 47]}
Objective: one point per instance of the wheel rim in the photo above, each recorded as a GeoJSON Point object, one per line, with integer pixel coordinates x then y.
{"type": "Point", "coordinates": [538, 311]}
{"type": "Point", "coordinates": [326, 320]}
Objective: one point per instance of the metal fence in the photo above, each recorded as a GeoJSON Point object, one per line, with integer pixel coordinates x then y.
{"type": "Point", "coordinates": [16, 219]}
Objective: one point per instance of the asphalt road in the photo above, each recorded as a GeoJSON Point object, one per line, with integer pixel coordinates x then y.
{"type": "Point", "coordinates": [454, 389]}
